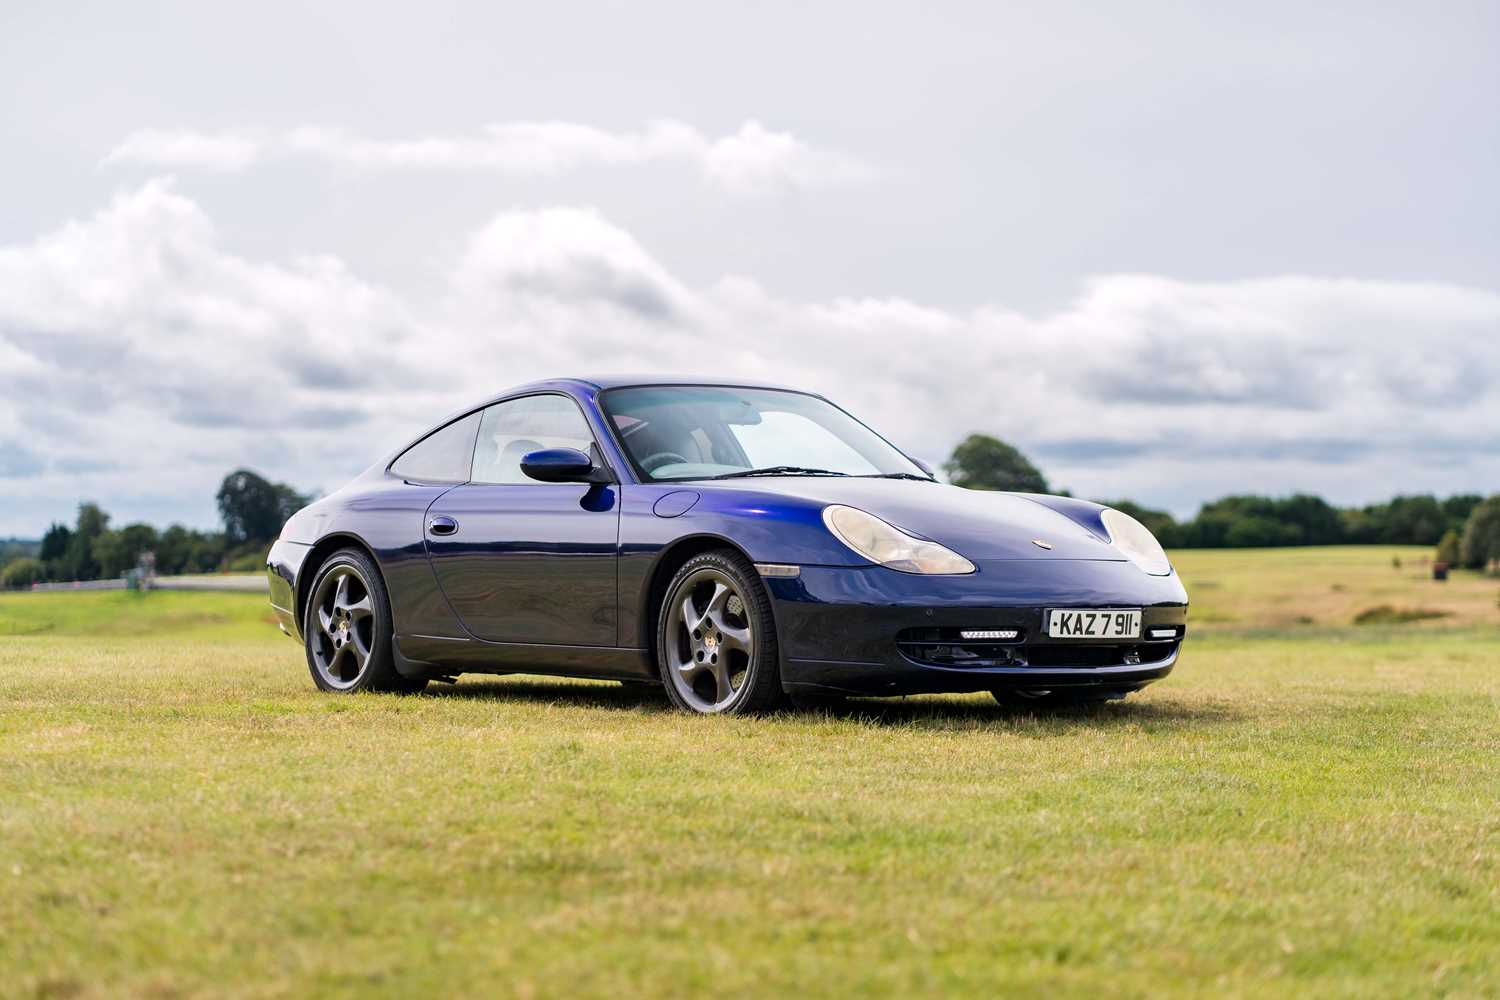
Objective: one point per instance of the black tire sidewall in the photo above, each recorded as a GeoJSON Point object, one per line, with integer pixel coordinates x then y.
{"type": "Point", "coordinates": [380, 674]}
{"type": "Point", "coordinates": [761, 690]}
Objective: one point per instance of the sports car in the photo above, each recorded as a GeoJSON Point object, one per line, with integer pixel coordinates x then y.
{"type": "Point", "coordinates": [736, 544]}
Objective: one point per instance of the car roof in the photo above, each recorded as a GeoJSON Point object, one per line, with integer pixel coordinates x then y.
{"type": "Point", "coordinates": [601, 382]}
{"type": "Point", "coordinates": [586, 385]}
{"type": "Point", "coordinates": [619, 381]}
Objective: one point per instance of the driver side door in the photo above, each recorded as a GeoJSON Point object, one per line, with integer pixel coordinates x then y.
{"type": "Point", "coordinates": [520, 560]}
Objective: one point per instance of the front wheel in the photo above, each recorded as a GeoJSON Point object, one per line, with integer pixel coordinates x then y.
{"type": "Point", "coordinates": [347, 629]}
{"type": "Point", "coordinates": [716, 640]}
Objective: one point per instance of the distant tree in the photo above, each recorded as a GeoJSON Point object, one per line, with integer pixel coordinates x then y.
{"type": "Point", "coordinates": [981, 462]}
{"type": "Point", "coordinates": [1481, 541]}
{"type": "Point", "coordinates": [118, 551]}
{"type": "Point", "coordinates": [1458, 508]}
{"type": "Point", "coordinates": [205, 552]}
{"type": "Point", "coordinates": [78, 561]}
{"type": "Point", "coordinates": [183, 550]}
{"type": "Point", "coordinates": [22, 573]}
{"type": "Point", "coordinates": [1359, 528]}
{"type": "Point", "coordinates": [254, 508]}
{"type": "Point", "coordinates": [1261, 532]}
{"type": "Point", "coordinates": [172, 550]}
{"type": "Point", "coordinates": [1450, 548]}
{"type": "Point", "coordinates": [1211, 528]}
{"type": "Point", "coordinates": [1414, 520]}
{"type": "Point", "coordinates": [1317, 521]}
{"type": "Point", "coordinates": [1405, 520]}
{"type": "Point", "coordinates": [55, 543]}
{"type": "Point", "coordinates": [18, 548]}
{"type": "Point", "coordinates": [1250, 520]}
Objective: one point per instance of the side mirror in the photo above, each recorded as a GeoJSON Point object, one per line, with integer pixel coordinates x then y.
{"type": "Point", "coordinates": [560, 465]}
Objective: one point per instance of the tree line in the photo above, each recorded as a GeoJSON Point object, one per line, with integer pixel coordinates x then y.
{"type": "Point", "coordinates": [252, 510]}
{"type": "Point", "coordinates": [1466, 528]}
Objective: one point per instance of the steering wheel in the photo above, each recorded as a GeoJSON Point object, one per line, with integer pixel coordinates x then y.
{"type": "Point", "coordinates": [653, 462]}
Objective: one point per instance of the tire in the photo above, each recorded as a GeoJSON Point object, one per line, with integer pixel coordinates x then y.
{"type": "Point", "coordinates": [716, 645]}
{"type": "Point", "coordinates": [346, 629]}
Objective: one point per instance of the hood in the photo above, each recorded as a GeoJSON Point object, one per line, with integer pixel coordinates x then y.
{"type": "Point", "coordinates": [974, 523]}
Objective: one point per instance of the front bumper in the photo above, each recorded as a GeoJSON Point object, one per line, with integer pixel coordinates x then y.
{"type": "Point", "coordinates": [283, 564]}
{"type": "Point", "coordinates": [870, 630]}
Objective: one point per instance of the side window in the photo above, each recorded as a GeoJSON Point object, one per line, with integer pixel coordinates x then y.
{"type": "Point", "coordinates": [511, 430]}
{"type": "Point", "coordinates": [442, 456]}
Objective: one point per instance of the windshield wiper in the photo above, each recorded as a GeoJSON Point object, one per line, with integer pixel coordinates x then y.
{"type": "Point", "coordinates": [779, 470]}
{"type": "Point", "coordinates": [900, 475]}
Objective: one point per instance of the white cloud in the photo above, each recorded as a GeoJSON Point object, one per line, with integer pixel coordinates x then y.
{"type": "Point", "coordinates": [752, 160]}
{"type": "Point", "coordinates": [140, 360]}
{"type": "Point", "coordinates": [193, 150]}
{"type": "Point", "coordinates": [757, 159]}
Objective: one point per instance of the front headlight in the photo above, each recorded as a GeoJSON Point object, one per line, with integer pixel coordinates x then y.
{"type": "Point", "coordinates": [1135, 540]}
{"type": "Point", "coordinates": [889, 546]}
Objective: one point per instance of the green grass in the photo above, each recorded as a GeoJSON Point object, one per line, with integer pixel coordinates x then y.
{"type": "Point", "coordinates": [123, 613]}
{"type": "Point", "coordinates": [1291, 589]}
{"type": "Point", "coordinates": [1308, 811]}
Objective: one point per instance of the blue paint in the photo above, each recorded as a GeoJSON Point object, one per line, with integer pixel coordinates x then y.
{"type": "Point", "coordinates": [559, 577]}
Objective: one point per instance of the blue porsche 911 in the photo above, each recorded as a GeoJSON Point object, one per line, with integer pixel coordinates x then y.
{"type": "Point", "coordinates": [737, 544]}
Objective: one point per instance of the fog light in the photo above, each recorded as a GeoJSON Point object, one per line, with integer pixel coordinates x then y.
{"type": "Point", "coordinates": [1003, 633]}
{"type": "Point", "coordinates": [1164, 633]}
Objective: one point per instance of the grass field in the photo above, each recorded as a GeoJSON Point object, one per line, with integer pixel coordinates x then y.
{"type": "Point", "coordinates": [1304, 806]}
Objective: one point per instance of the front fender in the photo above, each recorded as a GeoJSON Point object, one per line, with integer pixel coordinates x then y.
{"type": "Point", "coordinates": [1084, 513]}
{"type": "Point", "coordinates": [283, 570]}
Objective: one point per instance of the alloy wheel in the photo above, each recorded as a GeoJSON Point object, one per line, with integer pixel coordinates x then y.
{"type": "Point", "coordinates": [343, 627]}
{"type": "Point", "coordinates": [710, 644]}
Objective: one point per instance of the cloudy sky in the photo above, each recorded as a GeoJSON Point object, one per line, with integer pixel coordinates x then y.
{"type": "Point", "coordinates": [1170, 250]}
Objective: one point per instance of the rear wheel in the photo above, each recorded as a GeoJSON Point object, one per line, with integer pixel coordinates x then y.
{"type": "Point", "coordinates": [347, 629]}
{"type": "Point", "coordinates": [716, 640]}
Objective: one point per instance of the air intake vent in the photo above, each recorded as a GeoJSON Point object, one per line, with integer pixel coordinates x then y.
{"type": "Point", "coordinates": [947, 647]}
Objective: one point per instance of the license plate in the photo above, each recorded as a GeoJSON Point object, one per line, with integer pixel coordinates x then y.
{"type": "Point", "coordinates": [1108, 623]}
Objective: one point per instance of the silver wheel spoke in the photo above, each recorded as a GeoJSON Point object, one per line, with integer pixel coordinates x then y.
{"type": "Point", "coordinates": [360, 648]}
{"type": "Point", "coordinates": [341, 593]}
{"type": "Point", "coordinates": [721, 681]}
{"type": "Point", "coordinates": [336, 664]}
{"type": "Point", "coordinates": [361, 608]}
{"type": "Point", "coordinates": [736, 638]}
{"type": "Point", "coordinates": [691, 619]}
{"type": "Point", "coordinates": [714, 610]}
{"type": "Point", "coordinates": [325, 619]}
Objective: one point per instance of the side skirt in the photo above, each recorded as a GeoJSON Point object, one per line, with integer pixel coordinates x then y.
{"type": "Point", "coordinates": [427, 655]}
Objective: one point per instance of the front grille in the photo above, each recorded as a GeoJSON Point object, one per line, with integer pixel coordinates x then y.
{"type": "Point", "coordinates": [945, 647]}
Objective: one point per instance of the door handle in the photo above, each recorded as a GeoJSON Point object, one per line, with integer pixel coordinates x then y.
{"type": "Point", "coordinates": [442, 525]}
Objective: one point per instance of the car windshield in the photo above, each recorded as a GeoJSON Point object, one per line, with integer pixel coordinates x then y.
{"type": "Point", "coordinates": [674, 432]}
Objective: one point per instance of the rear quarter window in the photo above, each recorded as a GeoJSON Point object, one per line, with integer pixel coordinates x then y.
{"type": "Point", "coordinates": [444, 456]}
